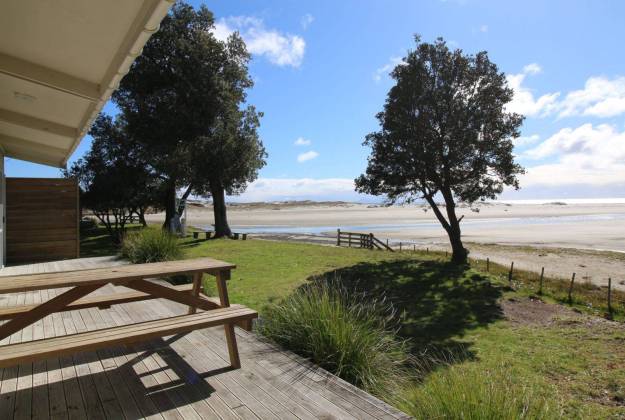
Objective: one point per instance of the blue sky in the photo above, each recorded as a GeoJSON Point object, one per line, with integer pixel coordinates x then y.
{"type": "Point", "coordinates": [321, 71]}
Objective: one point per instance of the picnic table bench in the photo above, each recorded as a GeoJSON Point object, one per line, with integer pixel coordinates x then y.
{"type": "Point", "coordinates": [135, 277]}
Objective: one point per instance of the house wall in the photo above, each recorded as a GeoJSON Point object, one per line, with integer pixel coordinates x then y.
{"type": "Point", "coordinates": [42, 219]}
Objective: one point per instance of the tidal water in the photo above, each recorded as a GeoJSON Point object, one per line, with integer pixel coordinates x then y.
{"type": "Point", "coordinates": [498, 222]}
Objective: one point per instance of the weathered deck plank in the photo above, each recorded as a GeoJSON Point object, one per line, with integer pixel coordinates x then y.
{"type": "Point", "coordinates": [186, 376]}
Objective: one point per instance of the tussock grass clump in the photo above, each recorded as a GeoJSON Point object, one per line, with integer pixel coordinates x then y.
{"type": "Point", "coordinates": [472, 392]}
{"type": "Point", "coordinates": [347, 334]}
{"type": "Point", "coordinates": [150, 245]}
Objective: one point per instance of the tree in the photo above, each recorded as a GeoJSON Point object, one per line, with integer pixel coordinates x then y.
{"type": "Point", "coordinates": [444, 133]}
{"type": "Point", "coordinates": [231, 157]}
{"type": "Point", "coordinates": [174, 91]}
{"type": "Point", "coordinates": [115, 182]}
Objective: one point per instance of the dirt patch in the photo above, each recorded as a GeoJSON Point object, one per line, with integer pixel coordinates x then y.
{"type": "Point", "coordinates": [533, 311]}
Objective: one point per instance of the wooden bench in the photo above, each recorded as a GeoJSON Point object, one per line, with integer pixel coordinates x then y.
{"type": "Point", "coordinates": [31, 351]}
{"type": "Point", "coordinates": [209, 234]}
{"type": "Point", "coordinates": [135, 277]}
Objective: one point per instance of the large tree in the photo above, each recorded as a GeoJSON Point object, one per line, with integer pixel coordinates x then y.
{"type": "Point", "coordinates": [174, 92]}
{"type": "Point", "coordinates": [445, 133]}
{"type": "Point", "coordinates": [231, 156]}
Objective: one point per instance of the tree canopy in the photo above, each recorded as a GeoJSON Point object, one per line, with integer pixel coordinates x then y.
{"type": "Point", "coordinates": [234, 153]}
{"type": "Point", "coordinates": [175, 91]}
{"type": "Point", "coordinates": [116, 184]}
{"type": "Point", "coordinates": [444, 133]}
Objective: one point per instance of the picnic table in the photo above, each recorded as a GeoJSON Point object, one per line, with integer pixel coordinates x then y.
{"type": "Point", "coordinates": [215, 311]}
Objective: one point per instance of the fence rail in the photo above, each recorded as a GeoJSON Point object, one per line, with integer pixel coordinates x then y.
{"type": "Point", "coordinates": [360, 240]}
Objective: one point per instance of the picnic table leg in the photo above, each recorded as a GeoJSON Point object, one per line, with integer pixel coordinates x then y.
{"type": "Point", "coordinates": [197, 285]}
{"type": "Point", "coordinates": [56, 304]}
{"type": "Point", "coordinates": [231, 339]}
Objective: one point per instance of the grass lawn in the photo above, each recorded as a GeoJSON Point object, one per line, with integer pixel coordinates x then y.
{"type": "Point", "coordinates": [575, 361]}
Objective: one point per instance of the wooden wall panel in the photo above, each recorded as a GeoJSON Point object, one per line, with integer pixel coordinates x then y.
{"type": "Point", "coordinates": [42, 219]}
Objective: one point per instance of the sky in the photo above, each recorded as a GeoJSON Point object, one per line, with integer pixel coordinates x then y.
{"type": "Point", "coordinates": [321, 75]}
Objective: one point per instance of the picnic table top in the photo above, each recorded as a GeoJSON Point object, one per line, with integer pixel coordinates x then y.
{"type": "Point", "coordinates": [117, 275]}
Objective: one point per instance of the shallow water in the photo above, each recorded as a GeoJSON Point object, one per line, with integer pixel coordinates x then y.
{"type": "Point", "coordinates": [499, 222]}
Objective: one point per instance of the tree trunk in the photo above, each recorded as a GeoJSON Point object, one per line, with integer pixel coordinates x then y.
{"type": "Point", "coordinates": [219, 210]}
{"type": "Point", "coordinates": [459, 253]}
{"type": "Point", "coordinates": [170, 205]}
{"type": "Point", "coordinates": [451, 226]}
{"type": "Point", "coordinates": [141, 214]}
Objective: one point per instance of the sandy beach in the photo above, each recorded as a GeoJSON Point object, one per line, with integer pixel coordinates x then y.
{"type": "Point", "coordinates": [586, 238]}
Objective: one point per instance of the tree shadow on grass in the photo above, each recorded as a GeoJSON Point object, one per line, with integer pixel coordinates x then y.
{"type": "Point", "coordinates": [438, 302]}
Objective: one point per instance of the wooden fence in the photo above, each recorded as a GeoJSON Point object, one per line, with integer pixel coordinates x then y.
{"type": "Point", "coordinates": [360, 240]}
{"type": "Point", "coordinates": [42, 219]}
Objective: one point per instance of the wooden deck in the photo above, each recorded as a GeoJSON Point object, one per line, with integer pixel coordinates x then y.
{"type": "Point", "coordinates": [178, 377]}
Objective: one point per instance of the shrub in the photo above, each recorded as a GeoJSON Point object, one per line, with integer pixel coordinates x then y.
{"type": "Point", "coordinates": [150, 245]}
{"type": "Point", "coordinates": [470, 392]}
{"type": "Point", "coordinates": [347, 334]}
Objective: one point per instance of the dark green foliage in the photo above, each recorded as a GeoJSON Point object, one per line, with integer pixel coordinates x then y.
{"type": "Point", "coordinates": [444, 133]}
{"type": "Point", "coordinates": [235, 154]}
{"type": "Point", "coordinates": [183, 89]}
{"type": "Point", "coordinates": [115, 181]}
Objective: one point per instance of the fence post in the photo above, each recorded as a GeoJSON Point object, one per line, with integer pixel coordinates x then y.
{"type": "Point", "coordinates": [427, 250]}
{"type": "Point", "coordinates": [371, 241]}
{"type": "Point", "coordinates": [400, 247]}
{"type": "Point", "coordinates": [610, 296]}
{"type": "Point", "coordinates": [338, 237]}
{"type": "Point", "coordinates": [571, 289]}
{"type": "Point", "coordinates": [414, 248]}
{"type": "Point", "coordinates": [349, 239]}
{"type": "Point", "coordinates": [387, 242]}
{"type": "Point", "coordinates": [540, 287]}
{"type": "Point", "coordinates": [487, 264]}
{"type": "Point", "coordinates": [510, 272]}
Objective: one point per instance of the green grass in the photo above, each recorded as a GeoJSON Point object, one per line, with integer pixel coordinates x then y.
{"type": "Point", "coordinates": [472, 391]}
{"type": "Point", "coordinates": [573, 365]}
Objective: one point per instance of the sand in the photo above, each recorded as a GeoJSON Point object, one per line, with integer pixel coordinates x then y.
{"type": "Point", "coordinates": [562, 238]}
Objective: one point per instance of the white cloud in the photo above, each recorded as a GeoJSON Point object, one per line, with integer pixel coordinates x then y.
{"type": "Point", "coordinates": [523, 101]}
{"type": "Point", "coordinates": [600, 97]}
{"type": "Point", "coordinates": [306, 156]}
{"type": "Point", "coordinates": [279, 48]}
{"type": "Point", "coordinates": [526, 140]}
{"type": "Point", "coordinates": [585, 155]}
{"type": "Point", "coordinates": [484, 28]}
{"type": "Point", "coordinates": [386, 69]}
{"type": "Point", "coordinates": [306, 20]}
{"type": "Point", "coordinates": [532, 68]}
{"type": "Point", "coordinates": [273, 189]}
{"type": "Point", "coordinates": [301, 141]}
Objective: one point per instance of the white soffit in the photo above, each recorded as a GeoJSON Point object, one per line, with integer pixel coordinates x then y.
{"type": "Point", "coordinates": [60, 61]}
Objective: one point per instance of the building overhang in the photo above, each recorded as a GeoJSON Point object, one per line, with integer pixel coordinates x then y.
{"type": "Point", "coordinates": [60, 61]}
